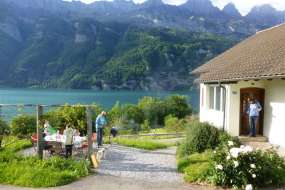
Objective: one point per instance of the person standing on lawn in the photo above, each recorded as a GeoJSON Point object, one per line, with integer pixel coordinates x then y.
{"type": "Point", "coordinates": [69, 134]}
{"type": "Point", "coordinates": [254, 108]}
{"type": "Point", "coordinates": [101, 122]}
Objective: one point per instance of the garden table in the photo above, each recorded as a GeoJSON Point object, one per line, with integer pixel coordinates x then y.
{"type": "Point", "coordinates": [57, 142]}
{"type": "Point", "coordinates": [78, 141]}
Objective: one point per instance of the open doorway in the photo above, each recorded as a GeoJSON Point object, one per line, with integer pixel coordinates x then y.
{"type": "Point", "coordinates": [245, 95]}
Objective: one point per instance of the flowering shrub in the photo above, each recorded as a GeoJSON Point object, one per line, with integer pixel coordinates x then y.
{"type": "Point", "coordinates": [243, 167]}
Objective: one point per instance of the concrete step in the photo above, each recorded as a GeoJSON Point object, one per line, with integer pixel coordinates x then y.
{"type": "Point", "coordinates": [245, 139]}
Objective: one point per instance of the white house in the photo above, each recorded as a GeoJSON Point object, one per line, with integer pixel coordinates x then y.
{"type": "Point", "coordinates": [253, 68]}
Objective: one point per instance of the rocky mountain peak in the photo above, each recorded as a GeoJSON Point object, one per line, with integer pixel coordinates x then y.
{"type": "Point", "coordinates": [231, 10]}
{"type": "Point", "coordinates": [201, 7]}
{"type": "Point", "coordinates": [263, 10]}
{"type": "Point", "coordinates": [266, 15]}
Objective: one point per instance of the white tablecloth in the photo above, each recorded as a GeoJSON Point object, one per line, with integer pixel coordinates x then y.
{"type": "Point", "coordinates": [77, 140]}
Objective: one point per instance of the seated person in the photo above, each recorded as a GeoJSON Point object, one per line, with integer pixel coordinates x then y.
{"type": "Point", "coordinates": [48, 129]}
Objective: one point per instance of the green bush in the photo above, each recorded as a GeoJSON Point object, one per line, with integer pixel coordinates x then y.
{"type": "Point", "coordinates": [177, 106]}
{"type": "Point", "coordinates": [173, 124]}
{"type": "Point", "coordinates": [132, 113]}
{"type": "Point", "coordinates": [24, 125]}
{"type": "Point", "coordinates": [224, 138]}
{"type": "Point", "coordinates": [15, 144]}
{"type": "Point", "coordinates": [4, 130]}
{"type": "Point", "coordinates": [33, 172]}
{"type": "Point", "coordinates": [199, 137]}
{"type": "Point", "coordinates": [239, 167]}
{"type": "Point", "coordinates": [145, 127]}
{"type": "Point", "coordinates": [154, 110]}
{"type": "Point", "coordinates": [196, 166]}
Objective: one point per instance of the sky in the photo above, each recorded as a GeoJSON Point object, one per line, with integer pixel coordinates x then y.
{"type": "Point", "coordinates": [244, 6]}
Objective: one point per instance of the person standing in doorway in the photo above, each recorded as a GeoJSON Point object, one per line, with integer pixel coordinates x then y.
{"type": "Point", "coordinates": [254, 108]}
{"type": "Point", "coordinates": [101, 122]}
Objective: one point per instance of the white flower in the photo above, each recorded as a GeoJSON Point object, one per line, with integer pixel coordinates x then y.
{"type": "Point", "coordinates": [228, 157]}
{"type": "Point", "coordinates": [252, 166]}
{"type": "Point", "coordinates": [253, 176]}
{"type": "Point", "coordinates": [234, 152]}
{"type": "Point", "coordinates": [242, 146]}
{"type": "Point", "coordinates": [249, 187]}
{"type": "Point", "coordinates": [215, 152]}
{"type": "Point", "coordinates": [236, 164]}
{"type": "Point", "coordinates": [219, 167]}
{"type": "Point", "coordinates": [230, 143]}
{"type": "Point", "coordinates": [247, 149]}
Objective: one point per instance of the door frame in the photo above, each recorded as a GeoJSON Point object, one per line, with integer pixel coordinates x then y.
{"type": "Point", "coordinates": [261, 121]}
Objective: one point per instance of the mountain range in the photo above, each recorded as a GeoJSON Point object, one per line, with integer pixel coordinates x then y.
{"type": "Point", "coordinates": [117, 44]}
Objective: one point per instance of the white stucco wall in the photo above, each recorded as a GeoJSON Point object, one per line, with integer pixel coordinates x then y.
{"type": "Point", "coordinates": [274, 109]}
{"type": "Point", "coordinates": [274, 117]}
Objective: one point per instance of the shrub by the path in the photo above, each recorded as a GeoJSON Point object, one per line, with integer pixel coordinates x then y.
{"type": "Point", "coordinates": [199, 137]}
{"type": "Point", "coordinates": [195, 167]}
{"type": "Point", "coordinates": [203, 136]}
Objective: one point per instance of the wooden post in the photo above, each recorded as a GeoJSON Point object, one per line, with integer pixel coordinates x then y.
{"type": "Point", "coordinates": [39, 131]}
{"type": "Point", "coordinates": [89, 129]}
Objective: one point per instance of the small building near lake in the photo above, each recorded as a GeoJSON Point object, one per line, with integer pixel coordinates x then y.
{"type": "Point", "coordinates": [254, 68]}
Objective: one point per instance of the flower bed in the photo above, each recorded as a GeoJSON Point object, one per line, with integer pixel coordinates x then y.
{"type": "Point", "coordinates": [243, 167]}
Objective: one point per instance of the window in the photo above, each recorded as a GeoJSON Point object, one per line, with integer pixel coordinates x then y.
{"type": "Point", "coordinates": [223, 98]}
{"type": "Point", "coordinates": [218, 98]}
{"type": "Point", "coordinates": [202, 96]}
{"type": "Point", "coordinates": [211, 97]}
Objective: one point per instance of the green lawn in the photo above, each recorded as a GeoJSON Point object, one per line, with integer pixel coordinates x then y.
{"type": "Point", "coordinates": [142, 143]}
{"type": "Point", "coordinates": [195, 167]}
{"type": "Point", "coordinates": [33, 172]}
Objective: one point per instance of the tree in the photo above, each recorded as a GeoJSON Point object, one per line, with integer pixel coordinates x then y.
{"type": "Point", "coordinates": [24, 125]}
{"type": "Point", "coordinates": [178, 106]}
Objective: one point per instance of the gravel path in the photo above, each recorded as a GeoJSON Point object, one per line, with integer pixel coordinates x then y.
{"type": "Point", "coordinates": [150, 166]}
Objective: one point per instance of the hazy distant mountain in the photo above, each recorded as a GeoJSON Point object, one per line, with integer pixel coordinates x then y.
{"type": "Point", "coordinates": [194, 15]}
{"type": "Point", "coordinates": [265, 16]}
{"type": "Point", "coordinates": [231, 11]}
{"type": "Point", "coordinates": [118, 44]}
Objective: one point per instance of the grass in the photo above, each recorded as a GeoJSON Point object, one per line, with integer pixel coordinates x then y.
{"type": "Point", "coordinates": [142, 143]}
{"type": "Point", "coordinates": [14, 144]}
{"type": "Point", "coordinates": [195, 167]}
{"type": "Point", "coordinates": [33, 172]}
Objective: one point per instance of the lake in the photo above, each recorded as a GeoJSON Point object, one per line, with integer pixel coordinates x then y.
{"type": "Point", "coordinates": [58, 96]}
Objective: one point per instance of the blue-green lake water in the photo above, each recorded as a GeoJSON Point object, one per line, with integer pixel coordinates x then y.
{"type": "Point", "coordinates": [55, 96]}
